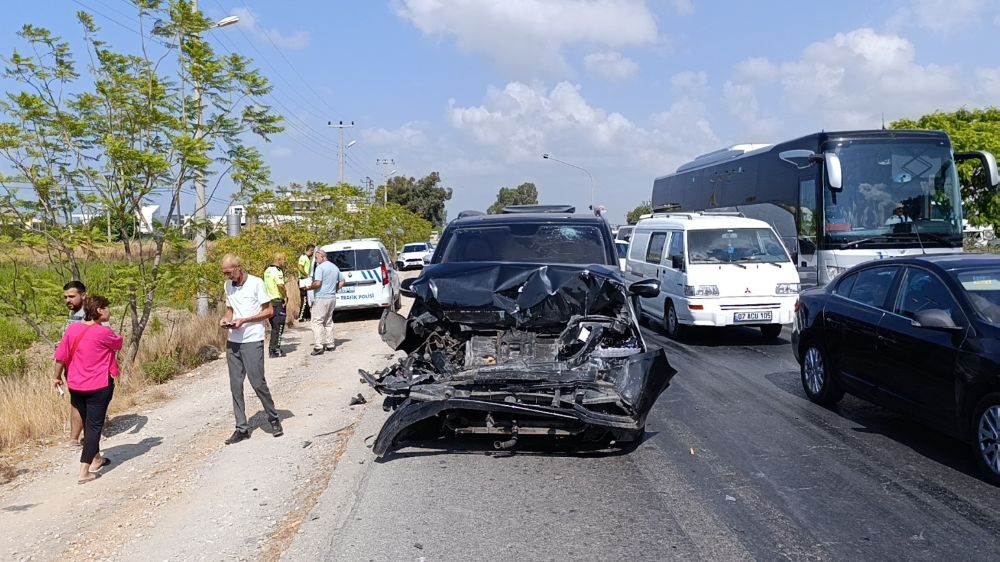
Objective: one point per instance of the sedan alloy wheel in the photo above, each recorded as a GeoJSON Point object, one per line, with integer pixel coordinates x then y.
{"type": "Point", "coordinates": [989, 438]}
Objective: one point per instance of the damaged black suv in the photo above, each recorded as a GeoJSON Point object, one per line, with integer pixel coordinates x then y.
{"type": "Point", "coordinates": [522, 325]}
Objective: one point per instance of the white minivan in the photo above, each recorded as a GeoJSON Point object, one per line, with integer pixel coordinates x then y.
{"type": "Point", "coordinates": [715, 269]}
{"type": "Point", "coordinates": [371, 280]}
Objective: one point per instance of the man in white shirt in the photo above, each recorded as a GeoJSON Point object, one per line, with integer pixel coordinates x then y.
{"type": "Point", "coordinates": [248, 307]}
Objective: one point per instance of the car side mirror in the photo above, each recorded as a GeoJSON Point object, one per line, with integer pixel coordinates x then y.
{"type": "Point", "coordinates": [935, 319]}
{"type": "Point", "coordinates": [404, 288]}
{"type": "Point", "coordinates": [677, 262]}
{"type": "Point", "coordinates": [647, 288]}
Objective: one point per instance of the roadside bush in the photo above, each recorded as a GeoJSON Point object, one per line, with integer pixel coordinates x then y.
{"type": "Point", "coordinates": [13, 365]}
{"type": "Point", "coordinates": [161, 369]}
{"type": "Point", "coordinates": [15, 336]}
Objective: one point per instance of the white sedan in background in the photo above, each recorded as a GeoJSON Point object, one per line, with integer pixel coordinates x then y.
{"type": "Point", "coordinates": [412, 255]}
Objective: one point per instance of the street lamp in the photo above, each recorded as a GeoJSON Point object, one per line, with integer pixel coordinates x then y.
{"type": "Point", "coordinates": [546, 156]}
{"type": "Point", "coordinates": [385, 192]}
{"type": "Point", "coordinates": [201, 211]}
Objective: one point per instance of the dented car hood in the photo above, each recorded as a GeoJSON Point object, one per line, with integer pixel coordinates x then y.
{"type": "Point", "coordinates": [514, 349]}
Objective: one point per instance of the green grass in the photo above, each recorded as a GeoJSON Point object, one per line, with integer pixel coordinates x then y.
{"type": "Point", "coordinates": [15, 336]}
{"type": "Point", "coordinates": [161, 369]}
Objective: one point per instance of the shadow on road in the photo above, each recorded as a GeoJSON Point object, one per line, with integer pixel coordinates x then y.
{"type": "Point", "coordinates": [121, 454]}
{"type": "Point", "coordinates": [731, 336]}
{"type": "Point", "coordinates": [536, 447]}
{"type": "Point", "coordinates": [259, 420]}
{"type": "Point", "coordinates": [121, 424]}
{"type": "Point", "coordinates": [877, 420]}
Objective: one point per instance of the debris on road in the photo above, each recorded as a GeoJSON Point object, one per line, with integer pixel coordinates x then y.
{"type": "Point", "coordinates": [359, 399]}
{"type": "Point", "coordinates": [513, 349]}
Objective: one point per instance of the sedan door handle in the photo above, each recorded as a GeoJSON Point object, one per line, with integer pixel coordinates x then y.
{"type": "Point", "coordinates": [890, 341]}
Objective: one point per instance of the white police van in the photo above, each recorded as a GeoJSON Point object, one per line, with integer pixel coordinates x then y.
{"type": "Point", "coordinates": [371, 280]}
{"type": "Point", "coordinates": [715, 269]}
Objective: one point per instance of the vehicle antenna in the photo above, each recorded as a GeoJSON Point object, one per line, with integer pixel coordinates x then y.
{"type": "Point", "coordinates": [883, 120]}
{"type": "Point", "coordinates": [916, 231]}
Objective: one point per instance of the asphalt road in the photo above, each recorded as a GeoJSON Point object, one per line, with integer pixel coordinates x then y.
{"type": "Point", "coordinates": [737, 465]}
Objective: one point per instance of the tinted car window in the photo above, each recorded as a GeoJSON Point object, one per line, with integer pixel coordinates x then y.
{"type": "Point", "coordinates": [922, 290]}
{"type": "Point", "coordinates": [527, 243]}
{"type": "Point", "coordinates": [982, 286]}
{"type": "Point", "coordinates": [872, 286]}
{"type": "Point", "coordinates": [845, 285]}
{"type": "Point", "coordinates": [356, 260]}
{"type": "Point", "coordinates": [414, 248]}
{"type": "Point", "coordinates": [676, 249]}
{"type": "Point", "coordinates": [655, 252]}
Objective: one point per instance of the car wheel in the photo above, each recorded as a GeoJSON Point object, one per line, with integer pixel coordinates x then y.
{"type": "Point", "coordinates": [771, 331]}
{"type": "Point", "coordinates": [818, 377]}
{"type": "Point", "coordinates": [671, 324]}
{"type": "Point", "coordinates": [986, 438]}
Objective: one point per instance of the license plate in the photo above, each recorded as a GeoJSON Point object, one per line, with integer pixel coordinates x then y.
{"type": "Point", "coordinates": [752, 316]}
{"type": "Point", "coordinates": [345, 290]}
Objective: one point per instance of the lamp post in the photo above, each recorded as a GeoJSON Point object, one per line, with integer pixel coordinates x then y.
{"type": "Point", "coordinates": [546, 156]}
{"type": "Point", "coordinates": [385, 192]}
{"type": "Point", "coordinates": [201, 212]}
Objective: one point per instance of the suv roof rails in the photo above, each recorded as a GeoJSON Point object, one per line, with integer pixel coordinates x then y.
{"type": "Point", "coordinates": [512, 209]}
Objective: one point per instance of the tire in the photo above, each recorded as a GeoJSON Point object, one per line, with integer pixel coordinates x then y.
{"type": "Point", "coordinates": [397, 302]}
{"type": "Point", "coordinates": [986, 438]}
{"type": "Point", "coordinates": [819, 378]}
{"type": "Point", "coordinates": [671, 324]}
{"type": "Point", "coordinates": [771, 331]}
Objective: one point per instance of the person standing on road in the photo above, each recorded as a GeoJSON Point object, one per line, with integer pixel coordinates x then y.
{"type": "Point", "coordinates": [87, 354]}
{"type": "Point", "coordinates": [305, 271]}
{"type": "Point", "coordinates": [74, 293]}
{"type": "Point", "coordinates": [327, 280]}
{"type": "Point", "coordinates": [248, 306]}
{"type": "Point", "coordinates": [274, 283]}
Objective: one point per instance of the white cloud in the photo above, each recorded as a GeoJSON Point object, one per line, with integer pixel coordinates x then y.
{"type": "Point", "coordinates": [945, 16]}
{"type": "Point", "coordinates": [526, 38]}
{"type": "Point", "coordinates": [522, 121]}
{"type": "Point", "coordinates": [690, 83]}
{"type": "Point", "coordinates": [408, 135]}
{"type": "Point", "coordinates": [988, 82]}
{"type": "Point", "coordinates": [612, 66]}
{"type": "Point", "coordinates": [684, 7]}
{"type": "Point", "coordinates": [249, 21]}
{"type": "Point", "coordinates": [846, 81]}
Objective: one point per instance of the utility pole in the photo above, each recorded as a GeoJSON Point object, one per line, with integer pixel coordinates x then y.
{"type": "Point", "coordinates": [341, 125]}
{"type": "Point", "coordinates": [386, 163]}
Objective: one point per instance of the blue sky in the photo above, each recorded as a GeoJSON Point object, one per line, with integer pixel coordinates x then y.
{"type": "Point", "coordinates": [628, 89]}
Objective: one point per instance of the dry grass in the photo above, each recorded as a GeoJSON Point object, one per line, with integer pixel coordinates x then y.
{"type": "Point", "coordinates": [31, 409]}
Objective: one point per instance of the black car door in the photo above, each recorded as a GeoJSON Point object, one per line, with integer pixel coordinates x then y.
{"type": "Point", "coordinates": [918, 363]}
{"type": "Point", "coordinates": [851, 321]}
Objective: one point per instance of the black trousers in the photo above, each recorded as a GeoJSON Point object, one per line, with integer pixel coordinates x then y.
{"type": "Point", "coordinates": [93, 407]}
{"type": "Point", "coordinates": [277, 324]}
{"type": "Point", "coordinates": [304, 312]}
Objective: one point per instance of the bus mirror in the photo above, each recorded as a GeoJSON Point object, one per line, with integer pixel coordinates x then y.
{"type": "Point", "coordinates": [989, 163]}
{"type": "Point", "coordinates": [800, 158]}
{"type": "Point", "coordinates": [834, 175]}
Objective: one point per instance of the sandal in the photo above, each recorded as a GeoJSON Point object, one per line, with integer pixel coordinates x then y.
{"type": "Point", "coordinates": [93, 477]}
{"type": "Point", "coordinates": [104, 462]}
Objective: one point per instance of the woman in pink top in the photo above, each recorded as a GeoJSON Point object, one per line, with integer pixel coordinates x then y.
{"type": "Point", "coordinates": [88, 352]}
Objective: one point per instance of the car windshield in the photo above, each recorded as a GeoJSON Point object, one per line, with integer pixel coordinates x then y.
{"type": "Point", "coordinates": [415, 248]}
{"type": "Point", "coordinates": [732, 245]}
{"type": "Point", "coordinates": [983, 289]}
{"type": "Point", "coordinates": [526, 243]}
{"type": "Point", "coordinates": [356, 260]}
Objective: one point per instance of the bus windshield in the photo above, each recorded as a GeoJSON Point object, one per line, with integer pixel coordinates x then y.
{"type": "Point", "coordinates": [894, 192]}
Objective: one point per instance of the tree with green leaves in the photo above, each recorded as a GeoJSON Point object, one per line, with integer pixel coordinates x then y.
{"type": "Point", "coordinates": [424, 197]}
{"type": "Point", "coordinates": [524, 194]}
{"type": "Point", "coordinates": [643, 208]}
{"type": "Point", "coordinates": [970, 130]}
{"type": "Point", "coordinates": [125, 135]}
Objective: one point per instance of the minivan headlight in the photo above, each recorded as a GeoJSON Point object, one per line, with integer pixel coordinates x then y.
{"type": "Point", "coordinates": [701, 291]}
{"type": "Point", "coordinates": [832, 271]}
{"type": "Point", "coordinates": [787, 289]}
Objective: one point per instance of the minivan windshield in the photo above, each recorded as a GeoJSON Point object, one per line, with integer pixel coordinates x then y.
{"type": "Point", "coordinates": [735, 245]}
{"type": "Point", "coordinates": [356, 260]}
{"type": "Point", "coordinates": [526, 243]}
{"type": "Point", "coordinates": [414, 248]}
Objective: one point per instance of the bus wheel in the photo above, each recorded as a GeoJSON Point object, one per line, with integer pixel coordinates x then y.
{"type": "Point", "coordinates": [671, 325]}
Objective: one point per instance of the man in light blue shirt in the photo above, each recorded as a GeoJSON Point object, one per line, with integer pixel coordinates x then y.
{"type": "Point", "coordinates": [327, 279]}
